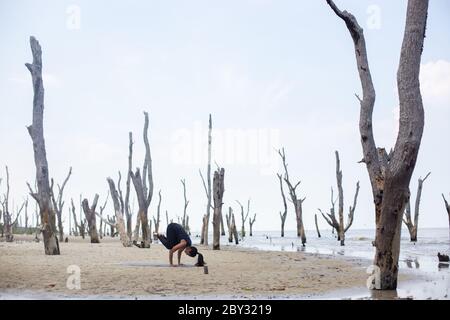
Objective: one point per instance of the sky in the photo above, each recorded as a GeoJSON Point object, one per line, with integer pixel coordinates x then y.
{"type": "Point", "coordinates": [272, 74]}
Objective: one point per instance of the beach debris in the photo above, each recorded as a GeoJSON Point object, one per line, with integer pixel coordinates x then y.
{"type": "Point", "coordinates": [443, 257]}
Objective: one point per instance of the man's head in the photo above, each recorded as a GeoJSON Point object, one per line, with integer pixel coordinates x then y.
{"type": "Point", "coordinates": [191, 251]}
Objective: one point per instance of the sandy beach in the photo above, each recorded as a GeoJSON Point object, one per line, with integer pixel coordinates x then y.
{"type": "Point", "coordinates": [110, 270]}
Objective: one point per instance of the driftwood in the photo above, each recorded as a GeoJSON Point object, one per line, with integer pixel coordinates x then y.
{"type": "Point", "coordinates": [207, 186]}
{"type": "Point", "coordinates": [58, 204]}
{"type": "Point", "coordinates": [295, 200]}
{"type": "Point", "coordinates": [330, 218]}
{"type": "Point", "coordinates": [390, 174]}
{"type": "Point", "coordinates": [413, 225]}
{"type": "Point", "coordinates": [284, 214]}
{"type": "Point", "coordinates": [218, 190]}
{"type": "Point", "coordinates": [144, 192]}
{"type": "Point", "coordinates": [36, 131]}
{"type": "Point", "coordinates": [89, 212]}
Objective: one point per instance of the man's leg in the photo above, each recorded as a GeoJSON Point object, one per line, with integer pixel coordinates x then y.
{"type": "Point", "coordinates": [164, 241]}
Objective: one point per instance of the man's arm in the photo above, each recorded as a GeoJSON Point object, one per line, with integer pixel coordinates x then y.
{"type": "Point", "coordinates": [180, 251]}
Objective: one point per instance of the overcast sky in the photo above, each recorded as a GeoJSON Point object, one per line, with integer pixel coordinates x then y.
{"type": "Point", "coordinates": [271, 73]}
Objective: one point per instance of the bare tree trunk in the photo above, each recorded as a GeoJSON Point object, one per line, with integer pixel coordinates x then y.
{"type": "Point", "coordinates": [126, 241]}
{"type": "Point", "coordinates": [89, 213]}
{"type": "Point", "coordinates": [317, 226]}
{"type": "Point", "coordinates": [102, 208]}
{"type": "Point", "coordinates": [413, 225]}
{"type": "Point", "coordinates": [284, 214]}
{"type": "Point", "coordinates": [297, 202]}
{"type": "Point", "coordinates": [7, 223]}
{"type": "Point", "coordinates": [218, 190]}
{"type": "Point", "coordinates": [77, 227]}
{"type": "Point", "coordinates": [390, 175]}
{"type": "Point", "coordinates": [251, 222]}
{"type": "Point", "coordinates": [447, 207]}
{"type": "Point", "coordinates": [167, 218]}
{"type": "Point", "coordinates": [229, 224]}
{"type": "Point", "coordinates": [128, 214]}
{"type": "Point", "coordinates": [157, 220]}
{"type": "Point", "coordinates": [58, 204]}
{"type": "Point", "coordinates": [234, 228]}
{"type": "Point", "coordinates": [244, 217]}
{"type": "Point", "coordinates": [36, 131]}
{"type": "Point", "coordinates": [341, 229]}
{"type": "Point", "coordinates": [144, 194]}
{"type": "Point", "coordinates": [204, 236]}
{"type": "Point", "coordinates": [186, 202]}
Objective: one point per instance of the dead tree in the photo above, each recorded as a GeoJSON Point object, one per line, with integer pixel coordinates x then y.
{"type": "Point", "coordinates": [317, 226]}
{"type": "Point", "coordinates": [284, 214]}
{"type": "Point", "coordinates": [413, 225]}
{"type": "Point", "coordinates": [127, 211]}
{"type": "Point", "coordinates": [234, 228]}
{"type": "Point", "coordinates": [218, 190]}
{"type": "Point", "coordinates": [447, 207]}
{"type": "Point", "coordinates": [102, 208]}
{"type": "Point", "coordinates": [144, 192]}
{"type": "Point", "coordinates": [186, 202]}
{"type": "Point", "coordinates": [119, 214]}
{"type": "Point", "coordinates": [207, 186]}
{"type": "Point", "coordinates": [111, 222]}
{"type": "Point", "coordinates": [89, 212]}
{"type": "Point", "coordinates": [390, 175]}
{"type": "Point", "coordinates": [58, 204]}
{"type": "Point", "coordinates": [295, 201]}
{"type": "Point", "coordinates": [167, 218]}
{"type": "Point", "coordinates": [228, 218]}
{"type": "Point", "coordinates": [7, 220]}
{"type": "Point", "coordinates": [330, 218]}
{"type": "Point", "coordinates": [251, 222]}
{"type": "Point", "coordinates": [77, 229]}
{"type": "Point", "coordinates": [26, 216]}
{"type": "Point", "coordinates": [244, 217]}
{"type": "Point", "coordinates": [36, 131]}
{"type": "Point", "coordinates": [157, 220]}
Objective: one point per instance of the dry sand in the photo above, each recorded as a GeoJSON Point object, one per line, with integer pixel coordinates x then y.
{"type": "Point", "coordinates": [108, 269]}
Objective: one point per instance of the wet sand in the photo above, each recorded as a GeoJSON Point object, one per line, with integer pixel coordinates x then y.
{"type": "Point", "coordinates": [109, 270]}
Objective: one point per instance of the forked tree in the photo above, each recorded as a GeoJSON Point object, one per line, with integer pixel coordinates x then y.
{"type": "Point", "coordinates": [298, 203]}
{"type": "Point", "coordinates": [244, 216]}
{"type": "Point", "coordinates": [284, 214]}
{"type": "Point", "coordinates": [338, 222]}
{"type": "Point", "coordinates": [58, 204]}
{"type": "Point", "coordinates": [143, 186]}
{"type": "Point", "coordinates": [390, 174]}
{"type": "Point", "coordinates": [413, 225]}
{"type": "Point", "coordinates": [89, 213]}
{"type": "Point", "coordinates": [186, 203]}
{"type": "Point", "coordinates": [119, 211]}
{"type": "Point", "coordinates": [218, 190]}
{"type": "Point", "coordinates": [251, 222]}
{"type": "Point", "coordinates": [36, 131]}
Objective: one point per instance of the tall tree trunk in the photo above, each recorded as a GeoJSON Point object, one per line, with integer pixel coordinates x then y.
{"type": "Point", "coordinates": [128, 214]}
{"type": "Point", "coordinates": [205, 228]}
{"type": "Point", "coordinates": [229, 224]}
{"type": "Point", "coordinates": [284, 214]}
{"type": "Point", "coordinates": [89, 213]}
{"type": "Point", "coordinates": [222, 226]}
{"type": "Point", "coordinates": [234, 227]}
{"type": "Point", "coordinates": [218, 190]}
{"type": "Point", "coordinates": [36, 131]}
{"type": "Point", "coordinates": [157, 220]}
{"type": "Point", "coordinates": [299, 214]}
{"type": "Point", "coordinates": [317, 226]}
{"type": "Point", "coordinates": [390, 175]}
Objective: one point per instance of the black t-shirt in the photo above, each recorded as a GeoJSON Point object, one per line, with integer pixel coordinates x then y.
{"type": "Point", "coordinates": [175, 233]}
